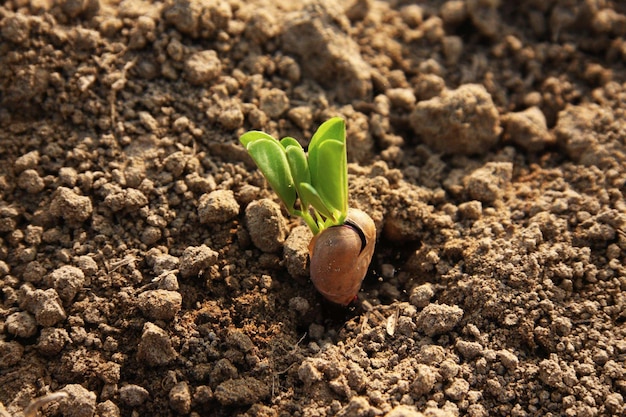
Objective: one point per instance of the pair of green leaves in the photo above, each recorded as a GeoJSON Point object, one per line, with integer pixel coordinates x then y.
{"type": "Point", "coordinates": [319, 180]}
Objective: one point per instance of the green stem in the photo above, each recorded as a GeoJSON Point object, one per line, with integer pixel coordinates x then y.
{"type": "Point", "coordinates": [308, 219]}
{"type": "Point", "coordinates": [321, 224]}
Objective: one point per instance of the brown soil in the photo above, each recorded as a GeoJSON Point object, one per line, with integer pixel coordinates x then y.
{"type": "Point", "coordinates": [146, 268]}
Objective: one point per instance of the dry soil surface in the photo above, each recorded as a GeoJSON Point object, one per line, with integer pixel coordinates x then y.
{"type": "Point", "coordinates": [147, 270]}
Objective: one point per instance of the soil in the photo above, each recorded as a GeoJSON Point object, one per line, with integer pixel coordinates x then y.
{"type": "Point", "coordinates": [147, 269]}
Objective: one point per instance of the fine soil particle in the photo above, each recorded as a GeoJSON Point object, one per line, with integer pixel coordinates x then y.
{"type": "Point", "coordinates": [146, 267]}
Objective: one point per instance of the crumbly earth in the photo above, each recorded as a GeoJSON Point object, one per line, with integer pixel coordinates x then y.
{"type": "Point", "coordinates": [147, 269]}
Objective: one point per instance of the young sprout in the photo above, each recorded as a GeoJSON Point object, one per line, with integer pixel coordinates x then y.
{"type": "Point", "coordinates": [315, 188]}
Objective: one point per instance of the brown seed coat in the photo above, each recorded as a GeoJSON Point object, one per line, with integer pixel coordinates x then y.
{"type": "Point", "coordinates": [340, 257]}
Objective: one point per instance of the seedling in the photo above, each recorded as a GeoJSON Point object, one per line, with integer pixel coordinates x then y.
{"type": "Point", "coordinates": [315, 187]}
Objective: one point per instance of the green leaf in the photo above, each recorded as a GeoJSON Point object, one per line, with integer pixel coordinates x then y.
{"type": "Point", "coordinates": [331, 178]}
{"type": "Point", "coordinates": [252, 136]}
{"type": "Point", "coordinates": [312, 196]}
{"type": "Point", "coordinates": [271, 159]}
{"type": "Point", "coordinates": [299, 167]}
{"type": "Point", "coordinates": [334, 128]}
{"type": "Point", "coordinates": [329, 167]}
{"type": "Point", "coordinates": [289, 141]}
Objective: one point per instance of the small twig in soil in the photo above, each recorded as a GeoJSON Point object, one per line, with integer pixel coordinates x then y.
{"type": "Point", "coordinates": [37, 403]}
{"type": "Point", "coordinates": [128, 260]}
{"type": "Point", "coordinates": [378, 318]}
{"type": "Point", "coordinates": [277, 373]}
